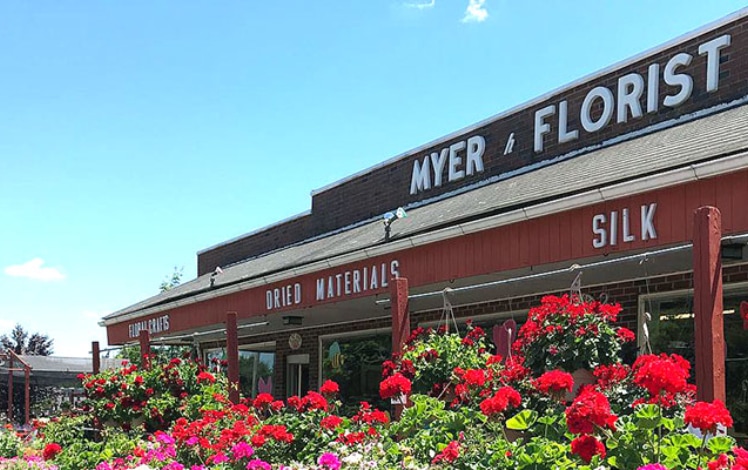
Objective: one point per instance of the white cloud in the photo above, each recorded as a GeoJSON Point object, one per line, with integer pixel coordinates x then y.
{"type": "Point", "coordinates": [421, 6]}
{"type": "Point", "coordinates": [34, 270]}
{"type": "Point", "coordinates": [475, 12]}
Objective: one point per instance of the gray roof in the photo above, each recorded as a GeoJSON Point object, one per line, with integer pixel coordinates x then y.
{"type": "Point", "coordinates": [668, 146]}
{"type": "Point", "coordinates": [66, 364]}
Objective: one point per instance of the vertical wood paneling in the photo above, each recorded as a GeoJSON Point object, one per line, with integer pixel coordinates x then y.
{"type": "Point", "coordinates": [556, 238]}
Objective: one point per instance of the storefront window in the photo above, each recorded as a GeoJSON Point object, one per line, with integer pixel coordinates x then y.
{"type": "Point", "coordinates": [256, 366]}
{"type": "Point", "coordinates": [355, 363]}
{"type": "Point", "coordinates": [672, 331]}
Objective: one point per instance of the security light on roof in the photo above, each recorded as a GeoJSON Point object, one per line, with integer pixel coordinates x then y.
{"type": "Point", "coordinates": [389, 218]}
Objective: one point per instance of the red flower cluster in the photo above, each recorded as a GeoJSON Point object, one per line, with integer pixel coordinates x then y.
{"type": "Point", "coordinates": [609, 376]}
{"type": "Point", "coordinates": [331, 422]}
{"type": "Point", "coordinates": [472, 377]}
{"type": "Point", "coordinates": [329, 388]}
{"type": "Point", "coordinates": [706, 416]}
{"type": "Point", "coordinates": [500, 401]}
{"type": "Point", "coordinates": [394, 385]}
{"type": "Point", "coordinates": [587, 447]}
{"type": "Point", "coordinates": [662, 376]}
{"type": "Point", "coordinates": [554, 382]}
{"type": "Point", "coordinates": [205, 376]}
{"type": "Point", "coordinates": [51, 450]}
{"type": "Point", "coordinates": [449, 454]}
{"type": "Point", "coordinates": [589, 409]}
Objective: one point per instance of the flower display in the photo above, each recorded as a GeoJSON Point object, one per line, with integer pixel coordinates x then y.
{"type": "Point", "coordinates": [500, 414]}
{"type": "Point", "coordinates": [568, 333]}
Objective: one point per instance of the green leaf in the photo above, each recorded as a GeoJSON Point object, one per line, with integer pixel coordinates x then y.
{"type": "Point", "coordinates": [522, 420]}
{"type": "Point", "coordinates": [720, 444]}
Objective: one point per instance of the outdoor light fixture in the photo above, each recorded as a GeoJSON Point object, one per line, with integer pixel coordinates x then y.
{"type": "Point", "coordinates": [389, 218]}
{"type": "Point", "coordinates": [216, 272]}
{"type": "Point", "coordinates": [292, 320]}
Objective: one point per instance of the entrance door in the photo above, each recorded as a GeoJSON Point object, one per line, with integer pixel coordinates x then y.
{"type": "Point", "coordinates": [297, 375]}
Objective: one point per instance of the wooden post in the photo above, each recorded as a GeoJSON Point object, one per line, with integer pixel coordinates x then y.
{"type": "Point", "coordinates": [232, 354]}
{"type": "Point", "coordinates": [145, 348]}
{"type": "Point", "coordinates": [10, 387]}
{"type": "Point", "coordinates": [27, 393]}
{"type": "Point", "coordinates": [708, 321]}
{"type": "Point", "coordinates": [400, 320]}
{"type": "Point", "coordinates": [95, 357]}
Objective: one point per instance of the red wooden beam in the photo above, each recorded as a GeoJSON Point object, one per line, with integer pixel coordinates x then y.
{"type": "Point", "coordinates": [145, 349]}
{"type": "Point", "coordinates": [400, 320]}
{"type": "Point", "coordinates": [232, 354]}
{"type": "Point", "coordinates": [95, 357]}
{"type": "Point", "coordinates": [10, 386]}
{"type": "Point", "coordinates": [708, 309]}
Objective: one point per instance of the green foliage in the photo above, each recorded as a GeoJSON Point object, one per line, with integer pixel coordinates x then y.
{"type": "Point", "coordinates": [10, 443]}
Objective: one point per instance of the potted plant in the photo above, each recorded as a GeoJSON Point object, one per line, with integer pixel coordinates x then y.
{"type": "Point", "coordinates": [571, 334]}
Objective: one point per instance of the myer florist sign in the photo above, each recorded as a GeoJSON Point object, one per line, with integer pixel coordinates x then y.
{"type": "Point", "coordinates": [634, 96]}
{"type": "Point", "coordinates": [334, 286]}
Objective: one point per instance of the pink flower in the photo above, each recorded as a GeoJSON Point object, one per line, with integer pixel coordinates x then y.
{"type": "Point", "coordinates": [329, 461]}
{"type": "Point", "coordinates": [258, 464]}
{"type": "Point", "coordinates": [241, 450]}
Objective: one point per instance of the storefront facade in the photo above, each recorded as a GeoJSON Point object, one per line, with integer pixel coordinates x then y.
{"type": "Point", "coordinates": [600, 177]}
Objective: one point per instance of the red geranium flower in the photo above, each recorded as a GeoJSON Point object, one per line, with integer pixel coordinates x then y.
{"type": "Point", "coordinates": [394, 385]}
{"type": "Point", "coordinates": [706, 416]}
{"type": "Point", "coordinates": [500, 401]}
{"type": "Point", "coordinates": [449, 454]}
{"type": "Point", "coordinates": [205, 377]}
{"type": "Point", "coordinates": [331, 422]}
{"type": "Point", "coordinates": [51, 450]}
{"type": "Point", "coordinates": [329, 388]}
{"type": "Point", "coordinates": [662, 376]}
{"type": "Point", "coordinates": [554, 382]}
{"type": "Point", "coordinates": [587, 447]}
{"type": "Point", "coordinates": [262, 400]}
{"type": "Point", "coordinates": [589, 409]}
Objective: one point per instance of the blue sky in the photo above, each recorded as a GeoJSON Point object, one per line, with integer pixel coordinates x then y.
{"type": "Point", "coordinates": [133, 134]}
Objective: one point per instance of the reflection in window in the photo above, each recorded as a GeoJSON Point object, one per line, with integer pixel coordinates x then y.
{"type": "Point", "coordinates": [672, 331]}
{"type": "Point", "coordinates": [256, 366]}
{"type": "Point", "coordinates": [355, 363]}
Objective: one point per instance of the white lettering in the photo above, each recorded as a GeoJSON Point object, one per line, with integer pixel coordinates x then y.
{"type": "Point", "coordinates": [373, 284]}
{"type": "Point", "coordinates": [330, 288]}
{"type": "Point", "coordinates": [564, 135]}
{"type": "Point", "coordinates": [682, 80]}
{"type": "Point", "coordinates": [653, 88]}
{"type": "Point", "coordinates": [356, 281]}
{"type": "Point", "coordinates": [627, 237]}
{"type": "Point", "coordinates": [647, 217]}
{"type": "Point", "coordinates": [607, 98]}
{"type": "Point", "coordinates": [711, 49]}
{"type": "Point", "coordinates": [438, 160]}
{"type": "Point", "coordinates": [542, 127]}
{"type": "Point", "coordinates": [347, 282]}
{"type": "Point", "coordinates": [455, 161]}
{"type": "Point", "coordinates": [476, 146]}
{"type": "Point", "coordinates": [395, 268]}
{"type": "Point", "coordinates": [421, 179]}
{"type": "Point", "coordinates": [630, 88]}
{"type": "Point", "coordinates": [320, 289]}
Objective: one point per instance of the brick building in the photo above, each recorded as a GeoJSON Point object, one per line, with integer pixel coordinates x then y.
{"type": "Point", "coordinates": [601, 176]}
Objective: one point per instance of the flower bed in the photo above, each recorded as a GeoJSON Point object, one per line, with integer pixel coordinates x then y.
{"type": "Point", "coordinates": [467, 409]}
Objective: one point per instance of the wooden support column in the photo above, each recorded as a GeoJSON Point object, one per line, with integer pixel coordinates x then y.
{"type": "Point", "coordinates": [95, 357]}
{"type": "Point", "coordinates": [232, 354]}
{"type": "Point", "coordinates": [145, 348]}
{"type": "Point", "coordinates": [27, 393]}
{"type": "Point", "coordinates": [400, 320]}
{"type": "Point", "coordinates": [708, 321]}
{"type": "Point", "coordinates": [10, 387]}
